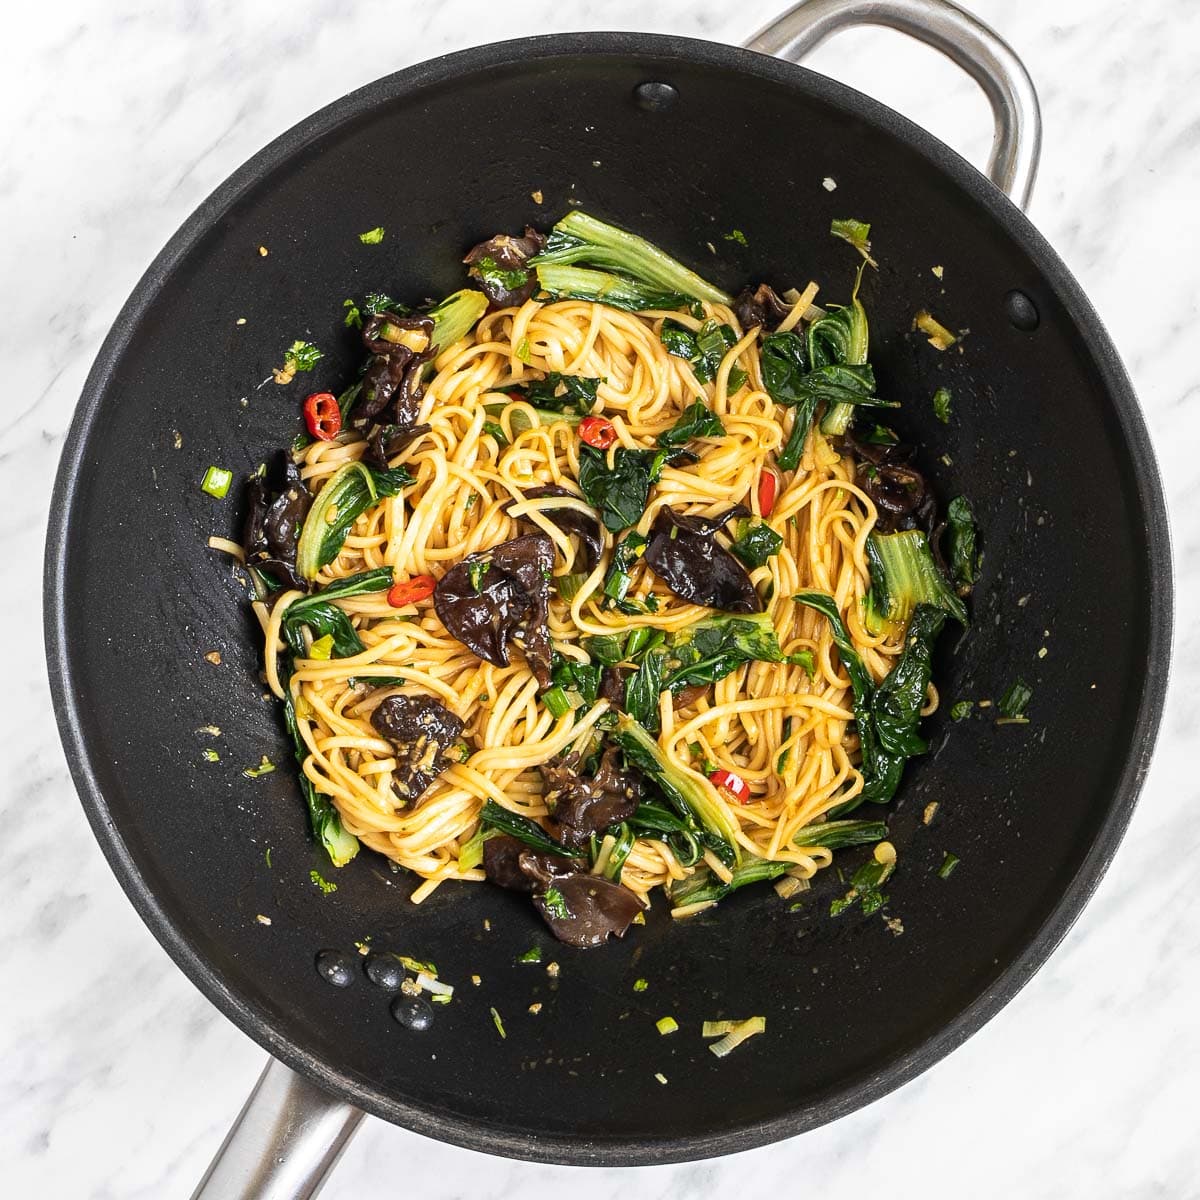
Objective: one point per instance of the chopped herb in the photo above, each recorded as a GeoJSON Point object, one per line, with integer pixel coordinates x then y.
{"type": "Point", "coordinates": [372, 237]}
{"type": "Point", "coordinates": [666, 1025]}
{"type": "Point", "coordinates": [353, 317]}
{"type": "Point", "coordinates": [961, 710]}
{"type": "Point", "coordinates": [268, 856]}
{"type": "Point", "coordinates": [523, 346]}
{"type": "Point", "coordinates": [857, 233]}
{"type": "Point", "coordinates": [265, 767]}
{"type": "Point", "coordinates": [864, 889]}
{"type": "Point", "coordinates": [948, 864]}
{"type": "Point", "coordinates": [499, 1024]}
{"type": "Point", "coordinates": [497, 431]}
{"type": "Point", "coordinates": [735, 235]}
{"type": "Point", "coordinates": [324, 884]}
{"type": "Point", "coordinates": [1014, 702]}
{"type": "Point", "coordinates": [555, 904]}
{"type": "Point", "coordinates": [301, 356]}
{"type": "Point", "coordinates": [489, 272]}
{"type": "Point", "coordinates": [216, 482]}
{"type": "Point", "coordinates": [531, 956]}
{"type": "Point", "coordinates": [475, 572]}
{"type": "Point", "coordinates": [640, 985]}
{"type": "Point", "coordinates": [210, 756]}
{"type": "Point", "coordinates": [941, 405]}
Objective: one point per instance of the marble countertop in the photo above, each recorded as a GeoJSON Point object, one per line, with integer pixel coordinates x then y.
{"type": "Point", "coordinates": [119, 1079]}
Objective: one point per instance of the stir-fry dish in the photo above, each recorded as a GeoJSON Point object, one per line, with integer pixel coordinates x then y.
{"type": "Point", "coordinates": [603, 585]}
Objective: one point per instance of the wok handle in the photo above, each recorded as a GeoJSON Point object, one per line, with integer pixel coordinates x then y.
{"type": "Point", "coordinates": [979, 50]}
{"type": "Point", "coordinates": [284, 1142]}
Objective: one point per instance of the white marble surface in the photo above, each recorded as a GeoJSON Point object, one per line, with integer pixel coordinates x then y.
{"type": "Point", "coordinates": [118, 1078]}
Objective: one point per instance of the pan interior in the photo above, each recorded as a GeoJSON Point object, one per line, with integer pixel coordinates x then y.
{"type": "Point", "coordinates": [442, 156]}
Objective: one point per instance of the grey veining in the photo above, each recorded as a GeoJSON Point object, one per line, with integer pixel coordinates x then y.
{"type": "Point", "coordinates": [119, 1079]}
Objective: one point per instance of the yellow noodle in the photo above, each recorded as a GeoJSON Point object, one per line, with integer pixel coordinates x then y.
{"type": "Point", "coordinates": [788, 736]}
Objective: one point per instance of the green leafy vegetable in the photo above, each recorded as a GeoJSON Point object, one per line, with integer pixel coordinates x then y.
{"type": "Point", "coordinates": [709, 650]}
{"type": "Point", "coordinates": [963, 543]}
{"type": "Point", "coordinates": [756, 541]}
{"type": "Point", "coordinates": [857, 233]}
{"type": "Point", "coordinates": [1015, 701]}
{"type": "Point", "coordinates": [607, 649]}
{"type": "Point", "coordinates": [839, 338]}
{"type": "Point", "coordinates": [620, 495]}
{"type": "Point", "coordinates": [941, 405]}
{"type": "Point", "coordinates": [682, 791]}
{"type": "Point", "coordinates": [619, 579]}
{"type": "Point", "coordinates": [948, 864]}
{"type": "Point", "coordinates": [642, 690]}
{"type": "Point", "coordinates": [492, 273]}
{"type": "Point", "coordinates": [682, 834]}
{"type": "Point", "coordinates": [496, 816]}
{"type": "Point", "coordinates": [216, 482]}
{"type": "Point", "coordinates": [864, 889]}
{"type": "Point", "coordinates": [703, 349]}
{"type": "Point", "coordinates": [696, 421]}
{"type": "Point", "coordinates": [903, 575]}
{"type": "Point", "coordinates": [372, 237]}
{"type": "Point", "coordinates": [455, 317]}
{"type": "Point", "coordinates": [604, 287]}
{"type": "Point", "coordinates": [703, 886]}
{"type": "Point", "coordinates": [497, 431]}
{"type": "Point", "coordinates": [559, 393]}
{"type": "Point", "coordinates": [580, 238]}
{"type": "Point", "coordinates": [835, 835]}
{"type": "Point", "coordinates": [347, 493]}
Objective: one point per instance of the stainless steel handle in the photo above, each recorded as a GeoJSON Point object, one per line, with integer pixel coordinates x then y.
{"type": "Point", "coordinates": [284, 1142]}
{"type": "Point", "coordinates": [979, 50]}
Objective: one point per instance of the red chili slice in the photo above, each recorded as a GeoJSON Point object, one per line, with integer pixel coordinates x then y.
{"type": "Point", "coordinates": [322, 416]}
{"type": "Point", "coordinates": [768, 489]}
{"type": "Point", "coordinates": [598, 432]}
{"type": "Point", "coordinates": [419, 587]}
{"type": "Point", "coordinates": [732, 785]}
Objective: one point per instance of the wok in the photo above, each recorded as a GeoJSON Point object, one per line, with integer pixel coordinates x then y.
{"type": "Point", "coordinates": [683, 141]}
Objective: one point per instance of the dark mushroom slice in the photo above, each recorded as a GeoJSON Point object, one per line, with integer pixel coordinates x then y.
{"type": "Point", "coordinates": [612, 686]}
{"type": "Point", "coordinates": [684, 553]}
{"type": "Point", "coordinates": [502, 863]}
{"type": "Point", "coordinates": [581, 807]}
{"type": "Point", "coordinates": [571, 520]}
{"type": "Point", "coordinates": [760, 306]}
{"type": "Point", "coordinates": [278, 502]}
{"type": "Point", "coordinates": [898, 490]}
{"type": "Point", "coordinates": [488, 598]}
{"type": "Point", "coordinates": [421, 730]}
{"type": "Point", "coordinates": [499, 264]}
{"type": "Point", "coordinates": [582, 909]}
{"type": "Point", "coordinates": [386, 441]}
{"type": "Point", "coordinates": [387, 330]}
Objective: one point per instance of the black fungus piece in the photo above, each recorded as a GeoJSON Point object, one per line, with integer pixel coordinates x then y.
{"type": "Point", "coordinates": [510, 864]}
{"type": "Point", "coordinates": [421, 730]}
{"type": "Point", "coordinates": [335, 967]}
{"type": "Point", "coordinates": [499, 265]}
{"type": "Point", "coordinates": [584, 910]}
{"type": "Point", "coordinates": [488, 598]}
{"type": "Point", "coordinates": [684, 553]}
{"type": "Point", "coordinates": [375, 331]}
{"type": "Point", "coordinates": [897, 489]}
{"type": "Point", "coordinates": [413, 1012]}
{"type": "Point", "coordinates": [581, 807]}
{"type": "Point", "coordinates": [386, 441]}
{"type": "Point", "coordinates": [277, 503]}
{"type": "Point", "coordinates": [760, 306]}
{"type": "Point", "coordinates": [385, 972]}
{"type": "Point", "coordinates": [571, 520]}
{"type": "Point", "coordinates": [612, 686]}
{"type": "Point", "coordinates": [392, 389]}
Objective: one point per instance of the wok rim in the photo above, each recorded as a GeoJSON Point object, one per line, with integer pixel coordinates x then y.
{"type": "Point", "coordinates": [472, 1133]}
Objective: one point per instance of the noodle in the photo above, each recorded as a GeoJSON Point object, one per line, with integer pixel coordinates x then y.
{"type": "Point", "coordinates": [789, 736]}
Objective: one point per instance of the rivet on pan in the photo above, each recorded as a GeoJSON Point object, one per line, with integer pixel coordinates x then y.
{"type": "Point", "coordinates": [1022, 311]}
{"type": "Point", "coordinates": [654, 96]}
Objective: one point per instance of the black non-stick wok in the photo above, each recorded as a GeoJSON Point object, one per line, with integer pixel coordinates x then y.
{"type": "Point", "coordinates": [683, 141]}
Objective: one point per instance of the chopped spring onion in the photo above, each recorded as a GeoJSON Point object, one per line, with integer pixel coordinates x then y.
{"type": "Point", "coordinates": [690, 910]}
{"type": "Point", "coordinates": [940, 338]}
{"type": "Point", "coordinates": [711, 1029]}
{"type": "Point", "coordinates": [941, 405]}
{"type": "Point", "coordinates": [857, 233]}
{"type": "Point", "coordinates": [322, 647]}
{"type": "Point", "coordinates": [216, 482]}
{"type": "Point", "coordinates": [788, 886]}
{"type": "Point", "coordinates": [568, 586]}
{"type": "Point", "coordinates": [324, 884]}
{"type": "Point", "coordinates": [1014, 702]}
{"type": "Point", "coordinates": [265, 767]}
{"type": "Point", "coordinates": [737, 1035]}
{"type": "Point", "coordinates": [499, 1024]}
{"type": "Point", "coordinates": [555, 699]}
{"type": "Point", "coordinates": [660, 1077]}
{"type": "Point", "coordinates": [961, 710]}
{"type": "Point", "coordinates": [666, 1025]}
{"type": "Point", "coordinates": [372, 237]}
{"type": "Point", "coordinates": [210, 755]}
{"type": "Point", "coordinates": [640, 985]}
{"type": "Point", "coordinates": [432, 984]}
{"type": "Point", "coordinates": [470, 854]}
{"type": "Point", "coordinates": [532, 955]}
{"type": "Point", "coordinates": [948, 864]}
